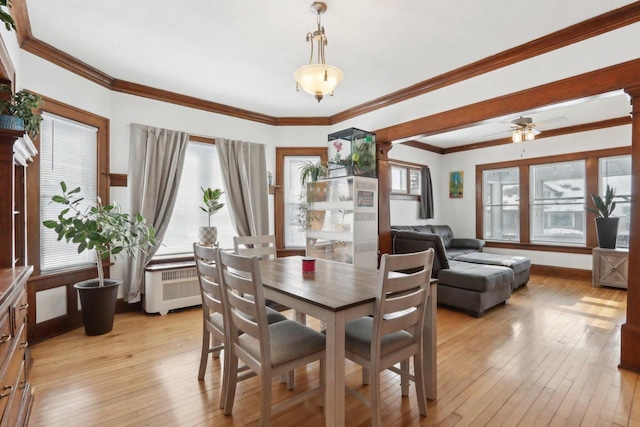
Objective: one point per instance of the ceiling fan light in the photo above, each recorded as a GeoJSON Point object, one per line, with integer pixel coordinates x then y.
{"type": "Point", "coordinates": [529, 135]}
{"type": "Point", "coordinates": [516, 136]}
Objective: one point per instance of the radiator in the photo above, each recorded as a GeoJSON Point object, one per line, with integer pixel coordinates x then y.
{"type": "Point", "coordinates": [168, 289]}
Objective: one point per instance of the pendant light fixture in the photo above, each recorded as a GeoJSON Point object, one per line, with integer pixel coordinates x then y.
{"type": "Point", "coordinates": [318, 78]}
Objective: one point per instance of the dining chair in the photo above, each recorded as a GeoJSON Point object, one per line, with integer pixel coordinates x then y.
{"type": "Point", "coordinates": [264, 247]}
{"type": "Point", "coordinates": [395, 332]}
{"type": "Point", "coordinates": [269, 350]}
{"type": "Point", "coordinates": [213, 325]}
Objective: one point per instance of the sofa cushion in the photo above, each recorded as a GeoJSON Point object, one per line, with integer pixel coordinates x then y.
{"type": "Point", "coordinates": [445, 232]}
{"type": "Point", "coordinates": [406, 242]}
{"type": "Point", "coordinates": [455, 253]}
{"type": "Point", "coordinates": [516, 263]}
{"type": "Point", "coordinates": [475, 277]}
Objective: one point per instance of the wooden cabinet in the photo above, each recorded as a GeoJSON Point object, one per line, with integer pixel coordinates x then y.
{"type": "Point", "coordinates": [16, 395]}
{"type": "Point", "coordinates": [15, 390]}
{"type": "Point", "coordinates": [610, 267]}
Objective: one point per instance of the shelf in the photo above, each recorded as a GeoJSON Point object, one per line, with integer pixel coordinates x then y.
{"type": "Point", "coordinates": [330, 235]}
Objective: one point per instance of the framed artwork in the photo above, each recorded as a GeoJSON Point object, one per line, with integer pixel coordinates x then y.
{"type": "Point", "coordinates": [456, 184]}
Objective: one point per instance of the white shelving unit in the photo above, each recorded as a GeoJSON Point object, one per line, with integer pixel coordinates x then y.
{"type": "Point", "coordinates": [344, 225]}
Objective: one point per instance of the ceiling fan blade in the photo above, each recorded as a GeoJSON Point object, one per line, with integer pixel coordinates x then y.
{"type": "Point", "coordinates": [553, 120]}
{"type": "Point", "coordinates": [502, 132]}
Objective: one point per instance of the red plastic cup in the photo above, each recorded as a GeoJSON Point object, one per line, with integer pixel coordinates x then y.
{"type": "Point", "coordinates": [308, 265]}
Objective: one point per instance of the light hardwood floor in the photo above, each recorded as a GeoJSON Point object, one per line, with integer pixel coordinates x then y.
{"type": "Point", "coordinates": [548, 357]}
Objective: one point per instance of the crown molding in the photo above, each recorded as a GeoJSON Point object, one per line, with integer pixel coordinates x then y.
{"type": "Point", "coordinates": [592, 27]}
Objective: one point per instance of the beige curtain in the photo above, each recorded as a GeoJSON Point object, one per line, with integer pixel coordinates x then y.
{"type": "Point", "coordinates": [156, 157]}
{"type": "Point", "coordinates": [244, 171]}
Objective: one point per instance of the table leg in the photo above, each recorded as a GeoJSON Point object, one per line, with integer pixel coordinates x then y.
{"type": "Point", "coordinates": [335, 371]}
{"type": "Point", "coordinates": [429, 343]}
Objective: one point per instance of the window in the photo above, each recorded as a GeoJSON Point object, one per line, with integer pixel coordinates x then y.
{"type": "Point", "coordinates": [201, 170]}
{"type": "Point", "coordinates": [557, 203]}
{"type": "Point", "coordinates": [405, 179]}
{"type": "Point", "coordinates": [541, 201]}
{"type": "Point", "coordinates": [68, 152]}
{"type": "Point", "coordinates": [398, 179]}
{"type": "Point", "coordinates": [501, 204]}
{"type": "Point", "coordinates": [616, 172]}
{"type": "Point", "coordinates": [293, 235]}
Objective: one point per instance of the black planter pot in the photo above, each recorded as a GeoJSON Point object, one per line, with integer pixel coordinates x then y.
{"type": "Point", "coordinates": [607, 229]}
{"type": "Point", "coordinates": [98, 304]}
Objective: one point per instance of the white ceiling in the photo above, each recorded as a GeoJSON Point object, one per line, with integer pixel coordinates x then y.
{"type": "Point", "coordinates": [243, 53]}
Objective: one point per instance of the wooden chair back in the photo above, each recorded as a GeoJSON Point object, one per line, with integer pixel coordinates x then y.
{"type": "Point", "coordinates": [244, 300]}
{"type": "Point", "coordinates": [205, 258]}
{"type": "Point", "coordinates": [263, 247]}
{"type": "Point", "coordinates": [401, 299]}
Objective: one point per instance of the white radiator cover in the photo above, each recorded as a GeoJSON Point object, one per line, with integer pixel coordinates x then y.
{"type": "Point", "coordinates": [170, 289]}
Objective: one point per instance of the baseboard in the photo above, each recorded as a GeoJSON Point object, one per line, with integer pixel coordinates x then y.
{"type": "Point", "coordinates": [561, 272]}
{"type": "Point", "coordinates": [124, 307]}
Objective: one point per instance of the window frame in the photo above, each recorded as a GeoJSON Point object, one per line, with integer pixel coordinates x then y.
{"type": "Point", "coordinates": [278, 191]}
{"type": "Point", "coordinates": [591, 187]}
{"type": "Point", "coordinates": [33, 177]}
{"type": "Point", "coordinates": [409, 168]}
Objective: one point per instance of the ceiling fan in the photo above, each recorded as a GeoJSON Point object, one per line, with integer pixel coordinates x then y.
{"type": "Point", "coordinates": [524, 128]}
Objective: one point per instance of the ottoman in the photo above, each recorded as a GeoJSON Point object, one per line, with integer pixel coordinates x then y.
{"type": "Point", "coordinates": [474, 288]}
{"type": "Point", "coordinates": [520, 265]}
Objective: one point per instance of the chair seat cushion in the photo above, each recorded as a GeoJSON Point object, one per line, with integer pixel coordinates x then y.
{"type": "Point", "coordinates": [358, 334]}
{"type": "Point", "coordinates": [290, 340]}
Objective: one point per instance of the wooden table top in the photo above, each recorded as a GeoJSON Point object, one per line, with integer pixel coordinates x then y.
{"type": "Point", "coordinates": [333, 285]}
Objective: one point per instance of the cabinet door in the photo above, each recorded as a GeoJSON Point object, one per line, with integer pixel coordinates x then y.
{"type": "Point", "coordinates": [611, 269]}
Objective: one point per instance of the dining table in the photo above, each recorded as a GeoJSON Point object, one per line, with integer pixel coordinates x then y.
{"type": "Point", "coordinates": [336, 293]}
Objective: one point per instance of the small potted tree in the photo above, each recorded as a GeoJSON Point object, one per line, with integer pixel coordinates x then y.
{"type": "Point", "coordinates": [108, 231]}
{"type": "Point", "coordinates": [606, 225]}
{"type": "Point", "coordinates": [19, 111]}
{"type": "Point", "coordinates": [208, 235]}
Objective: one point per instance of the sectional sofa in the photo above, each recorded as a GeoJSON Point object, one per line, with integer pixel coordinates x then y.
{"type": "Point", "coordinates": [468, 279]}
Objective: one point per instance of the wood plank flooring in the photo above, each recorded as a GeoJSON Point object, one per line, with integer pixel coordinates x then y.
{"type": "Point", "coordinates": [548, 357]}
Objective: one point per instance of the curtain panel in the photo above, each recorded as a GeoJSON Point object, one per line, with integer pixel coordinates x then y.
{"type": "Point", "coordinates": [244, 172]}
{"type": "Point", "coordinates": [156, 158]}
{"type": "Point", "coordinates": [426, 196]}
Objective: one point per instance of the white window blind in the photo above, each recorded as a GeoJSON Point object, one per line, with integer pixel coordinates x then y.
{"type": "Point", "coordinates": [68, 152]}
{"type": "Point", "coordinates": [201, 169]}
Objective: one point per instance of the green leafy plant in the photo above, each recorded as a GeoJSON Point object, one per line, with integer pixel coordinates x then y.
{"type": "Point", "coordinates": [22, 105]}
{"type": "Point", "coordinates": [604, 207]}
{"type": "Point", "coordinates": [104, 229]}
{"type": "Point", "coordinates": [210, 198]}
{"type": "Point", "coordinates": [9, 23]}
{"type": "Point", "coordinates": [310, 172]}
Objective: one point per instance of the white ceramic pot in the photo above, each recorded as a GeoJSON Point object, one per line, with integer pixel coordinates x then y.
{"type": "Point", "coordinates": [208, 236]}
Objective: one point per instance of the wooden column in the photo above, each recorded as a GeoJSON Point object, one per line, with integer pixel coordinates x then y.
{"type": "Point", "coordinates": [630, 339]}
{"type": "Point", "coordinates": [384, 189]}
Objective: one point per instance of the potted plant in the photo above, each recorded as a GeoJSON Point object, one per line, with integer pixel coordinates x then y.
{"type": "Point", "coordinates": [606, 225]}
{"type": "Point", "coordinates": [17, 112]}
{"type": "Point", "coordinates": [208, 235]}
{"type": "Point", "coordinates": [310, 172]}
{"type": "Point", "coordinates": [108, 231]}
